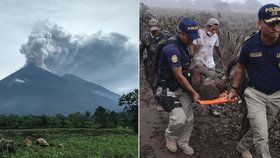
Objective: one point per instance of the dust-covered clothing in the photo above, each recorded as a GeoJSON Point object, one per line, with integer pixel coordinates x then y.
{"type": "Point", "coordinates": [149, 43]}
{"type": "Point", "coordinates": [148, 46]}
{"type": "Point", "coordinates": [181, 119]}
{"type": "Point", "coordinates": [205, 48]}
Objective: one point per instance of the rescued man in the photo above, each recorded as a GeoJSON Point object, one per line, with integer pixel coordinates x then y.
{"type": "Point", "coordinates": [203, 48]}
{"type": "Point", "coordinates": [260, 57]}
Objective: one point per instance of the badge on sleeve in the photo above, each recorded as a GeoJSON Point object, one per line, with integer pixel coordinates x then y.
{"type": "Point", "coordinates": [174, 58]}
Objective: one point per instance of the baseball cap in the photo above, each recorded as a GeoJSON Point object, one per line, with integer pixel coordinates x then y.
{"type": "Point", "coordinates": [213, 22]}
{"type": "Point", "coordinates": [189, 27]}
{"type": "Point", "coordinates": [154, 25]}
{"type": "Point", "coordinates": [269, 13]}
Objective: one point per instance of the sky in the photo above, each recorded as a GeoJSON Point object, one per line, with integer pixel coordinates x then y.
{"type": "Point", "coordinates": [102, 34]}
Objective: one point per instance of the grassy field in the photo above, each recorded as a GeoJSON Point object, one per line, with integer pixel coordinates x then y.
{"type": "Point", "coordinates": [74, 143]}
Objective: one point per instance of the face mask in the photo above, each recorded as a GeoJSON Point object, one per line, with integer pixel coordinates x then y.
{"type": "Point", "coordinates": [209, 33]}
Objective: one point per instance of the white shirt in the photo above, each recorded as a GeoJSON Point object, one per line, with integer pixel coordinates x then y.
{"type": "Point", "coordinates": [205, 46]}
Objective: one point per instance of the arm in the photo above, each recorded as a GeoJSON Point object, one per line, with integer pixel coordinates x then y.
{"type": "Point", "coordinates": [218, 50]}
{"type": "Point", "coordinates": [142, 49]}
{"type": "Point", "coordinates": [236, 80]}
{"type": "Point", "coordinates": [184, 82]}
{"type": "Point", "coordinates": [229, 67]}
{"type": "Point", "coordinates": [193, 49]}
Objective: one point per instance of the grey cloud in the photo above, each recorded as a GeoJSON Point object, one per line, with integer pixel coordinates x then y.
{"type": "Point", "coordinates": [104, 59]}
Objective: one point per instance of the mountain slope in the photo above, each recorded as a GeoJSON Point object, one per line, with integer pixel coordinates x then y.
{"type": "Point", "coordinates": [32, 90]}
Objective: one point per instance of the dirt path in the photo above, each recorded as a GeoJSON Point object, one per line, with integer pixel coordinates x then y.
{"type": "Point", "coordinates": [212, 137]}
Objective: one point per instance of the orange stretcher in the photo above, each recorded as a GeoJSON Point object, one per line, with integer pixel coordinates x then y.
{"type": "Point", "coordinates": [223, 98]}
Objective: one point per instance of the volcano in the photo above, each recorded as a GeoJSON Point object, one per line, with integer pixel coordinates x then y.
{"type": "Point", "coordinates": [33, 90]}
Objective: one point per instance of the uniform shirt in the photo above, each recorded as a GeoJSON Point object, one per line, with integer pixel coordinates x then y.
{"type": "Point", "coordinates": [205, 46]}
{"type": "Point", "coordinates": [171, 55]}
{"type": "Point", "coordinates": [262, 63]}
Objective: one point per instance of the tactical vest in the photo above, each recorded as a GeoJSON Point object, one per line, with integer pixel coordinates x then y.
{"type": "Point", "coordinates": [164, 72]}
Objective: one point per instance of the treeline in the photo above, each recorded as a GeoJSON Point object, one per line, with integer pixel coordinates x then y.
{"type": "Point", "coordinates": [101, 118]}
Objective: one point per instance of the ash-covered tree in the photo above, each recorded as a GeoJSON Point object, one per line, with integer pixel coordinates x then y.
{"type": "Point", "coordinates": [130, 103]}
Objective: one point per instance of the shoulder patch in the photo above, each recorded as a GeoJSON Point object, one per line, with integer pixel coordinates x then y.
{"type": "Point", "coordinates": [278, 55]}
{"type": "Point", "coordinates": [174, 58]}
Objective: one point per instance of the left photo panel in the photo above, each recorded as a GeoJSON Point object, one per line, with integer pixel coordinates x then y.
{"type": "Point", "coordinates": [69, 78]}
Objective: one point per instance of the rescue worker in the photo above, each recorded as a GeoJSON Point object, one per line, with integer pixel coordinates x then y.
{"type": "Point", "coordinates": [148, 44]}
{"type": "Point", "coordinates": [203, 48]}
{"type": "Point", "coordinates": [260, 57]}
{"type": "Point", "coordinates": [174, 72]}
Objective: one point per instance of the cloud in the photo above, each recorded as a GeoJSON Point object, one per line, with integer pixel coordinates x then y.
{"type": "Point", "coordinates": [107, 59]}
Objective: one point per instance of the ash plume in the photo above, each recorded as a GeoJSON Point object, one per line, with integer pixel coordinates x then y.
{"type": "Point", "coordinates": [104, 59]}
{"type": "Point", "coordinates": [49, 44]}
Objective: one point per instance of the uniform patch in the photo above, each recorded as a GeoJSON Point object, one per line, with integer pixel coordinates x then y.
{"type": "Point", "coordinates": [192, 28]}
{"type": "Point", "coordinates": [273, 10]}
{"type": "Point", "coordinates": [279, 65]}
{"type": "Point", "coordinates": [174, 58]}
{"type": "Point", "coordinates": [255, 54]}
{"type": "Point", "coordinates": [278, 55]}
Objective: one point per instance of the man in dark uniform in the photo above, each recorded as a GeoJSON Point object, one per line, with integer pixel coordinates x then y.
{"type": "Point", "coordinates": [149, 41]}
{"type": "Point", "coordinates": [245, 125]}
{"type": "Point", "coordinates": [260, 57]}
{"type": "Point", "coordinates": [174, 72]}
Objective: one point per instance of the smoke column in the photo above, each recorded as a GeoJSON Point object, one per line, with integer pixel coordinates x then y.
{"type": "Point", "coordinates": [104, 59]}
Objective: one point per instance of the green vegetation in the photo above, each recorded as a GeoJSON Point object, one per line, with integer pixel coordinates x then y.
{"type": "Point", "coordinates": [101, 118]}
{"type": "Point", "coordinates": [102, 134]}
{"type": "Point", "coordinates": [130, 103]}
{"type": "Point", "coordinates": [75, 143]}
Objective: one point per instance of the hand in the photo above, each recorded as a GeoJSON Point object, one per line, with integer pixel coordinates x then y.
{"type": "Point", "coordinates": [196, 97]}
{"type": "Point", "coordinates": [225, 78]}
{"type": "Point", "coordinates": [232, 94]}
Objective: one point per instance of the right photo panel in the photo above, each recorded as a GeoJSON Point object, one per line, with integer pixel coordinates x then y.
{"type": "Point", "coordinates": [209, 79]}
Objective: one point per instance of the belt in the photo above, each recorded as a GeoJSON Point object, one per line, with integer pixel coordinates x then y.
{"type": "Point", "coordinates": [263, 91]}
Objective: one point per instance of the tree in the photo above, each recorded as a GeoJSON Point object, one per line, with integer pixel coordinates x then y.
{"type": "Point", "coordinates": [76, 119]}
{"type": "Point", "coordinates": [101, 117]}
{"type": "Point", "coordinates": [115, 119]}
{"type": "Point", "coordinates": [130, 103]}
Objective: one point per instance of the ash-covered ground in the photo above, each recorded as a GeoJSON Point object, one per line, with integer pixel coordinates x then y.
{"type": "Point", "coordinates": [212, 137]}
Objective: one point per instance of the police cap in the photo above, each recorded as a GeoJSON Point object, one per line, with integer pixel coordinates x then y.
{"type": "Point", "coordinates": [269, 13]}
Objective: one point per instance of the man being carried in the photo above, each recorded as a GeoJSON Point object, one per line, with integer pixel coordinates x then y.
{"type": "Point", "coordinates": [203, 48]}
